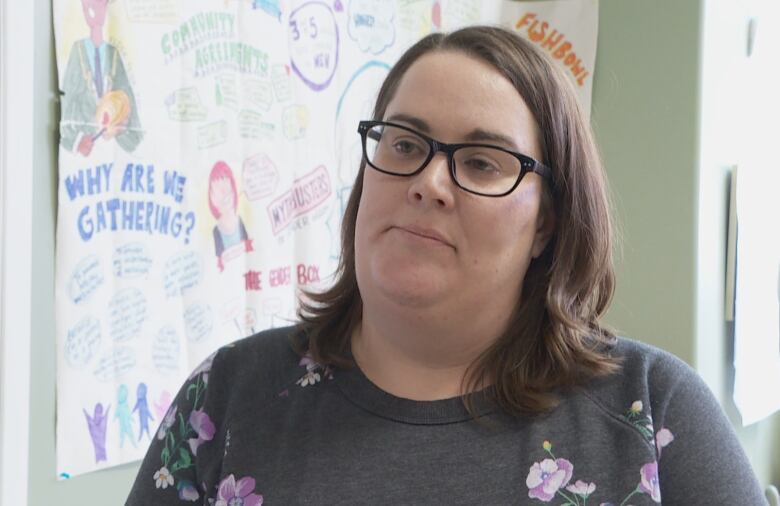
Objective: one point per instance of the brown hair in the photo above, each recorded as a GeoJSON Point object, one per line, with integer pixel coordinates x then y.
{"type": "Point", "coordinates": [554, 340]}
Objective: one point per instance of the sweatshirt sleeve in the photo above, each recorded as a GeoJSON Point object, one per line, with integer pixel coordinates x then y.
{"type": "Point", "coordinates": [188, 434]}
{"type": "Point", "coordinates": [700, 459]}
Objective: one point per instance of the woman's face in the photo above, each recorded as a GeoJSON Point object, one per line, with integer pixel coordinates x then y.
{"type": "Point", "coordinates": [221, 193]}
{"type": "Point", "coordinates": [421, 241]}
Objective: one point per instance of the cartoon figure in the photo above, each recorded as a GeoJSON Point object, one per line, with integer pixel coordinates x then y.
{"type": "Point", "coordinates": [97, 430]}
{"type": "Point", "coordinates": [161, 406]}
{"type": "Point", "coordinates": [223, 202]}
{"type": "Point", "coordinates": [123, 414]}
{"type": "Point", "coordinates": [98, 100]}
{"type": "Point", "coordinates": [144, 415]}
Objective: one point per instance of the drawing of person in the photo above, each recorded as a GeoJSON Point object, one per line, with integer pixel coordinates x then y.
{"type": "Point", "coordinates": [144, 415]}
{"type": "Point", "coordinates": [98, 100]}
{"type": "Point", "coordinates": [124, 416]}
{"type": "Point", "coordinates": [97, 430]}
{"type": "Point", "coordinates": [223, 202]}
{"type": "Point", "coordinates": [161, 406]}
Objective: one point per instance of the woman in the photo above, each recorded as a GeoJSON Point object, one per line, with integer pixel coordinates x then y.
{"type": "Point", "coordinates": [459, 357]}
{"type": "Point", "coordinates": [229, 231]}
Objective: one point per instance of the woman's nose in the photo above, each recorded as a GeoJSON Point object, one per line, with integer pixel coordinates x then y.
{"type": "Point", "coordinates": [434, 185]}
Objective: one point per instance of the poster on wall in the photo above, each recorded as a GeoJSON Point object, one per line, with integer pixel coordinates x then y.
{"type": "Point", "coordinates": [207, 151]}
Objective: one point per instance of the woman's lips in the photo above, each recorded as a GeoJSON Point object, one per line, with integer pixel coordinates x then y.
{"type": "Point", "coordinates": [426, 233]}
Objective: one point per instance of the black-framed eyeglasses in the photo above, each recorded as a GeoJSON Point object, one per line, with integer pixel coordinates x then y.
{"type": "Point", "coordinates": [482, 169]}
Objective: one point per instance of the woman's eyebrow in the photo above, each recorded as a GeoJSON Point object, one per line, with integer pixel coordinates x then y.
{"type": "Point", "coordinates": [480, 135]}
{"type": "Point", "coordinates": [414, 121]}
{"type": "Point", "coordinates": [476, 135]}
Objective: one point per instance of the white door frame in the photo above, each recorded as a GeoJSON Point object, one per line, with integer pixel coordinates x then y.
{"type": "Point", "coordinates": [17, 50]}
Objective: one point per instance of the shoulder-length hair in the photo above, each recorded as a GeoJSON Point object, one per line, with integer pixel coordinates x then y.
{"type": "Point", "coordinates": [554, 340]}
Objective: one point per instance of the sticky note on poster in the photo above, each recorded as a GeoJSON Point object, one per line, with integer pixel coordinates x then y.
{"type": "Point", "coordinates": [185, 105]}
{"type": "Point", "coordinates": [212, 134]}
{"type": "Point", "coordinates": [226, 90]}
{"type": "Point", "coordinates": [258, 93]}
{"type": "Point", "coordinates": [280, 79]}
{"type": "Point", "coordinates": [252, 126]}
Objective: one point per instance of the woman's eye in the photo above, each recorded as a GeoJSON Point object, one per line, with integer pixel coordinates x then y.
{"type": "Point", "coordinates": [482, 165]}
{"type": "Point", "coordinates": [404, 147]}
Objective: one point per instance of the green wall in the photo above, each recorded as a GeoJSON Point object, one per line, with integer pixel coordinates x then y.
{"type": "Point", "coordinates": [646, 112]}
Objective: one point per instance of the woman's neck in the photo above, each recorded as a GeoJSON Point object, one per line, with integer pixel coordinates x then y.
{"type": "Point", "coordinates": [413, 358]}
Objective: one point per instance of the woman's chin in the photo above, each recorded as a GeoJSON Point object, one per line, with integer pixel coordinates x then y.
{"type": "Point", "coordinates": [410, 286]}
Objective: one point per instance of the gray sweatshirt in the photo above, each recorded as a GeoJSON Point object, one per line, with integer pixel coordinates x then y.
{"type": "Point", "coordinates": [257, 424]}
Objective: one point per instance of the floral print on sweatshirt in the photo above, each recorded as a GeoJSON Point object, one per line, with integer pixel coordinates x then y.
{"type": "Point", "coordinates": [182, 437]}
{"type": "Point", "coordinates": [551, 477]}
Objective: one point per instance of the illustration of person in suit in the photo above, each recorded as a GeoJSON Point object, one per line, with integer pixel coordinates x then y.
{"type": "Point", "coordinates": [98, 101]}
{"type": "Point", "coordinates": [223, 202]}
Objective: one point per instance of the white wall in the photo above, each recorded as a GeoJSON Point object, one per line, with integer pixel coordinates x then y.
{"type": "Point", "coordinates": [16, 149]}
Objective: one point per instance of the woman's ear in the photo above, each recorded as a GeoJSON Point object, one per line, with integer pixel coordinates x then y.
{"type": "Point", "coordinates": [545, 228]}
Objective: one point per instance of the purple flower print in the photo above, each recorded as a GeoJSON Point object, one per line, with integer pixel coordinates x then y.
{"type": "Point", "coordinates": [662, 439]}
{"type": "Point", "coordinates": [203, 426]}
{"type": "Point", "coordinates": [582, 488]}
{"type": "Point", "coordinates": [545, 478]}
{"type": "Point", "coordinates": [307, 361]}
{"type": "Point", "coordinates": [187, 491]}
{"type": "Point", "coordinates": [167, 423]}
{"type": "Point", "coordinates": [649, 483]}
{"type": "Point", "coordinates": [204, 368]}
{"type": "Point", "coordinates": [238, 493]}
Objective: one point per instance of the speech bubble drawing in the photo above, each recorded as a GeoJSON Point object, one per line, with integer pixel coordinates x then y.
{"type": "Point", "coordinates": [212, 134]}
{"type": "Point", "coordinates": [82, 341]}
{"type": "Point", "coordinates": [131, 261]}
{"type": "Point", "coordinates": [258, 93]}
{"type": "Point", "coordinates": [226, 90]}
{"type": "Point", "coordinates": [370, 24]}
{"type": "Point", "coordinates": [151, 11]}
{"type": "Point", "coordinates": [127, 313]}
{"type": "Point", "coordinates": [295, 121]}
{"type": "Point", "coordinates": [165, 351]}
{"type": "Point", "coordinates": [313, 41]}
{"type": "Point", "coordinates": [182, 272]}
{"type": "Point", "coordinates": [280, 78]}
{"type": "Point", "coordinates": [250, 321]}
{"type": "Point", "coordinates": [86, 278]}
{"type": "Point", "coordinates": [252, 126]}
{"type": "Point", "coordinates": [115, 363]}
{"type": "Point", "coordinates": [198, 322]}
{"type": "Point", "coordinates": [260, 176]}
{"type": "Point", "coordinates": [185, 105]}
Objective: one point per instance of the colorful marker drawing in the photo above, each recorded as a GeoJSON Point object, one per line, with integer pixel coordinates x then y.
{"type": "Point", "coordinates": [144, 415]}
{"type": "Point", "coordinates": [161, 406]}
{"type": "Point", "coordinates": [97, 430]}
{"type": "Point", "coordinates": [124, 416]}
{"type": "Point", "coordinates": [229, 231]}
{"type": "Point", "coordinates": [98, 100]}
